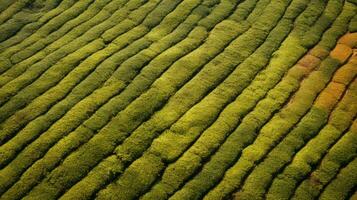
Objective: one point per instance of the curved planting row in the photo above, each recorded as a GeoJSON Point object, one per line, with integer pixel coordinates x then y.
{"type": "Point", "coordinates": [193, 99]}
{"type": "Point", "coordinates": [78, 110]}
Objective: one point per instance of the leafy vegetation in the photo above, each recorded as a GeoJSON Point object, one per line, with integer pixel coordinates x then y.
{"type": "Point", "coordinates": [194, 99]}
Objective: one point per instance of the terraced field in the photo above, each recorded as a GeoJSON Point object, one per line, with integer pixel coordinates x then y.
{"type": "Point", "coordinates": [178, 99]}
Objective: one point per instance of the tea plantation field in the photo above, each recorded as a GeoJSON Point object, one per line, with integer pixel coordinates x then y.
{"type": "Point", "coordinates": [178, 99]}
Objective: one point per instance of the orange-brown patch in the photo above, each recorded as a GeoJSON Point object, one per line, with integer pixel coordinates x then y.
{"type": "Point", "coordinates": [345, 74]}
{"type": "Point", "coordinates": [330, 96]}
{"type": "Point", "coordinates": [341, 52]}
{"type": "Point", "coordinates": [350, 39]}
{"type": "Point", "coordinates": [353, 59]}
{"type": "Point", "coordinates": [309, 61]}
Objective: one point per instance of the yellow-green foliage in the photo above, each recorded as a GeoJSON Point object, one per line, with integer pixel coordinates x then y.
{"type": "Point", "coordinates": [177, 99]}
{"type": "Point", "coordinates": [304, 161]}
{"type": "Point", "coordinates": [338, 156]}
